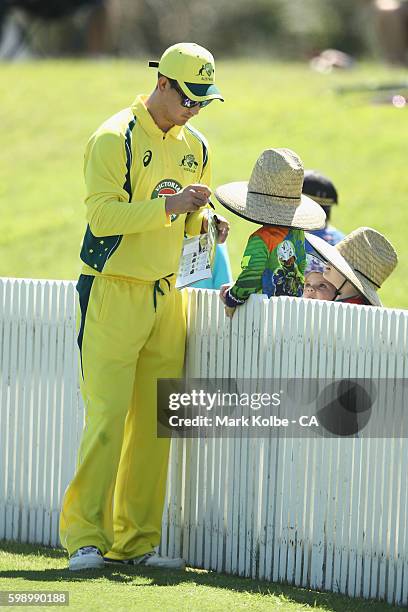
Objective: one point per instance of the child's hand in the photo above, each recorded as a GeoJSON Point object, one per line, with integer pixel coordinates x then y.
{"type": "Point", "coordinates": [229, 311]}
{"type": "Point", "coordinates": [222, 229]}
{"type": "Point", "coordinates": [223, 291]}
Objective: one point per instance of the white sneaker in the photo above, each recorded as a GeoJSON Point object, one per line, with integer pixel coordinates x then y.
{"type": "Point", "coordinates": [151, 559]}
{"type": "Point", "coordinates": [86, 557]}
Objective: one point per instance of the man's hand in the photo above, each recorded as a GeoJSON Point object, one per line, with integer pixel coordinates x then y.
{"type": "Point", "coordinates": [222, 228]}
{"type": "Point", "coordinates": [189, 199]}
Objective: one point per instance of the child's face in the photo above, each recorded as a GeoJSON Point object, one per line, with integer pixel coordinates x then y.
{"type": "Point", "coordinates": [318, 288]}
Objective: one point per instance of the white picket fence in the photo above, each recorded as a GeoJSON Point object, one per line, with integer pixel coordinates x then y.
{"type": "Point", "coordinates": [328, 514]}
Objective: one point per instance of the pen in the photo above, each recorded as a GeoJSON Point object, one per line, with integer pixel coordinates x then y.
{"type": "Point", "coordinates": [216, 219]}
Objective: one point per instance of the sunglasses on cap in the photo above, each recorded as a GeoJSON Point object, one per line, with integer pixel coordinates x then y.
{"type": "Point", "coordinates": [186, 102]}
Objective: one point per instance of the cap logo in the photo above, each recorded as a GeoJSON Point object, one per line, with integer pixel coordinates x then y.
{"type": "Point", "coordinates": [206, 69]}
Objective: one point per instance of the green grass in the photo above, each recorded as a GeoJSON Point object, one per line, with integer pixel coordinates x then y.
{"type": "Point", "coordinates": [36, 568]}
{"type": "Point", "coordinates": [49, 109]}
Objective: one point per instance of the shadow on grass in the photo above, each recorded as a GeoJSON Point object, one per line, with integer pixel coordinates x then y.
{"type": "Point", "coordinates": [160, 578]}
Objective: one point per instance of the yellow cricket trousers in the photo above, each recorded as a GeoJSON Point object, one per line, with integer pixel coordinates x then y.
{"type": "Point", "coordinates": [115, 500]}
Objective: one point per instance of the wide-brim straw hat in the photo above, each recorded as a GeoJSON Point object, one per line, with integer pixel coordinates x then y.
{"type": "Point", "coordinates": [273, 194]}
{"type": "Point", "coordinates": [364, 257]}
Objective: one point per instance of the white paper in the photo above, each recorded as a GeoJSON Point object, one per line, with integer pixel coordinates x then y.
{"type": "Point", "coordinates": [197, 257]}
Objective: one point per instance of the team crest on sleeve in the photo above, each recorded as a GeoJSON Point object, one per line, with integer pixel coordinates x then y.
{"type": "Point", "coordinates": [165, 188]}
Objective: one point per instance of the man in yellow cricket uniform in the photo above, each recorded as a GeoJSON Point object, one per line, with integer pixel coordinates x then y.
{"type": "Point", "coordinates": [146, 174]}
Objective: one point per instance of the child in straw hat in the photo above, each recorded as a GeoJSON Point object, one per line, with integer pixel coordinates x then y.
{"type": "Point", "coordinates": [358, 265]}
{"type": "Point", "coordinates": [274, 259]}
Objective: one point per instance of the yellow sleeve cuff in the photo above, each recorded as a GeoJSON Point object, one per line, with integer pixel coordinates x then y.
{"type": "Point", "coordinates": [167, 222]}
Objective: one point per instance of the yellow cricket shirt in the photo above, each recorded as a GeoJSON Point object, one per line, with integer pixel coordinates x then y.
{"type": "Point", "coordinates": [130, 166]}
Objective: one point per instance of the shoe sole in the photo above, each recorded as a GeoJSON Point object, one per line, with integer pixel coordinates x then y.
{"type": "Point", "coordinates": [177, 565]}
{"type": "Point", "coordinates": [86, 565]}
{"type": "Point", "coordinates": [115, 561]}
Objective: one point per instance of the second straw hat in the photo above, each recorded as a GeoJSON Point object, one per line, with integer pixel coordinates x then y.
{"type": "Point", "coordinates": [365, 257]}
{"type": "Point", "coordinates": [273, 194]}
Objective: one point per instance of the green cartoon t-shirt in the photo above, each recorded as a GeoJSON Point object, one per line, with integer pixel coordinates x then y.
{"type": "Point", "coordinates": [273, 263]}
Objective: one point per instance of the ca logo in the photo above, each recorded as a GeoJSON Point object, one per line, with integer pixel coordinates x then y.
{"type": "Point", "coordinates": [206, 69]}
{"type": "Point", "coordinates": [189, 163]}
{"type": "Point", "coordinates": [147, 158]}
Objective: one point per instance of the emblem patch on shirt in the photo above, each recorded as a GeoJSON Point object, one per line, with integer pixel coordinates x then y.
{"type": "Point", "coordinates": [189, 163]}
{"type": "Point", "coordinates": [245, 261]}
{"type": "Point", "coordinates": [165, 188]}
